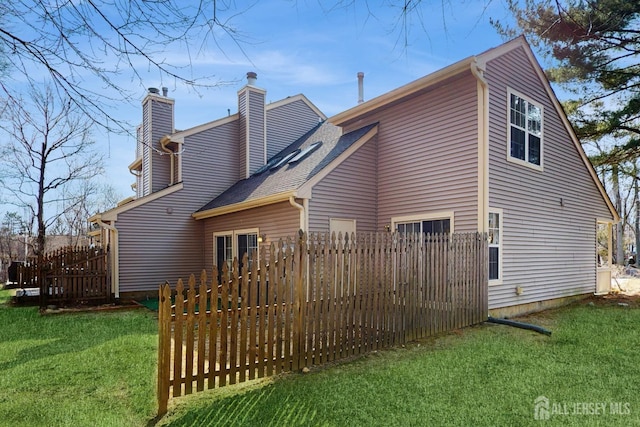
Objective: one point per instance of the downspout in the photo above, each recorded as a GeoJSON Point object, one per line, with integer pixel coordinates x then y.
{"type": "Point", "coordinates": [301, 208]}
{"type": "Point", "coordinates": [116, 259]}
{"type": "Point", "coordinates": [483, 146]}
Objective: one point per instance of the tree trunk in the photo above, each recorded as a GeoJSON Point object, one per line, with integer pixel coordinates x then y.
{"type": "Point", "coordinates": [40, 240]}
{"type": "Point", "coordinates": [618, 253]}
{"type": "Point", "coordinates": [637, 224]}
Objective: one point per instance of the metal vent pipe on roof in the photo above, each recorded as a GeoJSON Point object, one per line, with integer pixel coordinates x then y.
{"type": "Point", "coordinates": [360, 87]}
{"type": "Point", "coordinates": [251, 78]}
{"type": "Point", "coordinates": [165, 91]}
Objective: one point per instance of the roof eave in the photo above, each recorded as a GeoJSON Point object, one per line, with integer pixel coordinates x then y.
{"type": "Point", "coordinates": [401, 92]}
{"type": "Point", "coordinates": [245, 205]}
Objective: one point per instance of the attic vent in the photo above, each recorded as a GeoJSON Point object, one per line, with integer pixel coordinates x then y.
{"type": "Point", "coordinates": [305, 152]}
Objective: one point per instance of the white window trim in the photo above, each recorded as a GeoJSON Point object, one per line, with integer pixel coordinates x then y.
{"type": "Point", "coordinates": [498, 211]}
{"type": "Point", "coordinates": [424, 217]}
{"type": "Point", "coordinates": [234, 242]}
{"type": "Point", "coordinates": [539, 168]}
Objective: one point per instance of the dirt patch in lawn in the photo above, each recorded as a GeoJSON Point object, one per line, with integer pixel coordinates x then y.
{"type": "Point", "coordinates": [625, 290]}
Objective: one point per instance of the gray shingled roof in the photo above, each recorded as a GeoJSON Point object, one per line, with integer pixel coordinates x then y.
{"type": "Point", "coordinates": [290, 177]}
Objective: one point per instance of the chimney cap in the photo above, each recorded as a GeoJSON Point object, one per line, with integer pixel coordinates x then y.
{"type": "Point", "coordinates": [251, 78]}
{"type": "Point", "coordinates": [153, 90]}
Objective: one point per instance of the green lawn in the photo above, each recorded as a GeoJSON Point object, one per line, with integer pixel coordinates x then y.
{"type": "Point", "coordinates": [82, 369]}
{"type": "Point", "coordinates": [488, 375]}
{"type": "Point", "coordinates": [99, 370]}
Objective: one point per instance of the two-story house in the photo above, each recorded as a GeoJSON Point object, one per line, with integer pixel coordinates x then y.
{"type": "Point", "coordinates": [481, 145]}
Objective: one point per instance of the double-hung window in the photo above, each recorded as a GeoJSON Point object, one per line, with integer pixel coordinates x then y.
{"type": "Point", "coordinates": [525, 131]}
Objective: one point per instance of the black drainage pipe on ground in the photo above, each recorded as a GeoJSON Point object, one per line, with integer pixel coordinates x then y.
{"type": "Point", "coordinates": [520, 325]}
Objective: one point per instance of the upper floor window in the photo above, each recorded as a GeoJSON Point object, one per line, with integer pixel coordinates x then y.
{"type": "Point", "coordinates": [525, 131]}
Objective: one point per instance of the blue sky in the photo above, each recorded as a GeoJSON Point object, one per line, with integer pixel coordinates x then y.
{"type": "Point", "coordinates": [299, 47]}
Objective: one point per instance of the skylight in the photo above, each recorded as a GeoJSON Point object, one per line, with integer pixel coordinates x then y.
{"type": "Point", "coordinates": [276, 162]}
{"type": "Point", "coordinates": [305, 152]}
{"type": "Point", "coordinates": [285, 159]}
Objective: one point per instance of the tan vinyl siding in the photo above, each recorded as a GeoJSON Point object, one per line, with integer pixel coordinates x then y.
{"type": "Point", "coordinates": [256, 131]}
{"type": "Point", "coordinates": [161, 125]}
{"type": "Point", "coordinates": [548, 249]}
{"type": "Point", "coordinates": [209, 161]}
{"type": "Point", "coordinates": [155, 245]}
{"type": "Point", "coordinates": [139, 154]}
{"type": "Point", "coordinates": [277, 221]}
{"type": "Point", "coordinates": [242, 135]}
{"type": "Point", "coordinates": [160, 240]}
{"type": "Point", "coordinates": [348, 192]}
{"type": "Point", "coordinates": [146, 151]}
{"type": "Point", "coordinates": [428, 154]}
{"type": "Point", "coordinates": [286, 123]}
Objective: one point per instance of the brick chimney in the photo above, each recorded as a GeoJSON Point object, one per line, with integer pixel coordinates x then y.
{"type": "Point", "coordinates": [253, 125]}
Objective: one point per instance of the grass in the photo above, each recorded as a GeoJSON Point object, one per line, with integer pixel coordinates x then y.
{"type": "Point", "coordinates": [82, 369]}
{"type": "Point", "coordinates": [483, 376]}
{"type": "Point", "coordinates": [99, 370]}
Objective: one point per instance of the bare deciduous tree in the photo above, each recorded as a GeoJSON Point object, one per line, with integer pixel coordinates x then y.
{"type": "Point", "coordinates": [47, 144]}
{"type": "Point", "coordinates": [73, 44]}
{"type": "Point", "coordinates": [81, 200]}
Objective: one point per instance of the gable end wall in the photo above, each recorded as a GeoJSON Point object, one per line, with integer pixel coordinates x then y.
{"type": "Point", "coordinates": [548, 249]}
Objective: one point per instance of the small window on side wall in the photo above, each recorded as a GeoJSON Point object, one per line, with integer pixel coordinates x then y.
{"type": "Point", "coordinates": [495, 245]}
{"type": "Point", "coordinates": [525, 131]}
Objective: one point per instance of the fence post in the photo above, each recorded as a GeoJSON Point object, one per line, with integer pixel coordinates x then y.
{"type": "Point", "coordinates": [299, 330]}
{"type": "Point", "coordinates": [164, 347]}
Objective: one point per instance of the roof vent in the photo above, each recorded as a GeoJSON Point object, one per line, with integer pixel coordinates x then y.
{"type": "Point", "coordinates": [360, 87]}
{"type": "Point", "coordinates": [251, 78]}
{"type": "Point", "coordinates": [165, 91]}
{"type": "Point", "coordinates": [154, 90]}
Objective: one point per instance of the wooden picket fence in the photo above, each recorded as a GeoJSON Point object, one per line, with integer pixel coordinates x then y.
{"type": "Point", "coordinates": [316, 300]}
{"type": "Point", "coordinates": [70, 275]}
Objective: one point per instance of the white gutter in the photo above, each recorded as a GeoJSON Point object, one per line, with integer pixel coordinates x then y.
{"type": "Point", "coordinates": [115, 274]}
{"type": "Point", "coordinates": [483, 146]}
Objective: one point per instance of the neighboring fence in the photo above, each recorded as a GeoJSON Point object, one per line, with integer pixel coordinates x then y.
{"type": "Point", "coordinates": [317, 301]}
{"type": "Point", "coordinates": [69, 276]}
